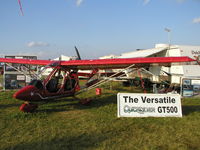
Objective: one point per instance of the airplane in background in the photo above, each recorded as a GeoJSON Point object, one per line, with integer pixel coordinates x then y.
{"type": "Point", "coordinates": [63, 81]}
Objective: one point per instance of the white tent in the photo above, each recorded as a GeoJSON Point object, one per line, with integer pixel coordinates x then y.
{"type": "Point", "coordinates": [166, 50]}
{"type": "Point", "coordinates": [143, 53]}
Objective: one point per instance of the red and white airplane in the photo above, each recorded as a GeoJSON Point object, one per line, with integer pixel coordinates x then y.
{"type": "Point", "coordinates": [63, 81]}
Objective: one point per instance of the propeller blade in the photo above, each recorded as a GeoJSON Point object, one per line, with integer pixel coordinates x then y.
{"type": "Point", "coordinates": [77, 53]}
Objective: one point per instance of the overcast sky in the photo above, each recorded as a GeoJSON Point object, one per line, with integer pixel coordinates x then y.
{"type": "Point", "coordinates": [50, 28]}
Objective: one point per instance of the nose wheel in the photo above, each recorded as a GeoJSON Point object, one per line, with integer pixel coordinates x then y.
{"type": "Point", "coordinates": [28, 107]}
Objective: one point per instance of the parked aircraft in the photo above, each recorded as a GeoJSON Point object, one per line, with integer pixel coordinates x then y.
{"type": "Point", "coordinates": [63, 81]}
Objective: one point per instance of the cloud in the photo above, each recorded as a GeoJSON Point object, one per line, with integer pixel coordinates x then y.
{"type": "Point", "coordinates": [37, 44]}
{"type": "Point", "coordinates": [196, 20]}
{"type": "Point", "coordinates": [79, 2]}
{"type": "Point", "coordinates": [145, 2]}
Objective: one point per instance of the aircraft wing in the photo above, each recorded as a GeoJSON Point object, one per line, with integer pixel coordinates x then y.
{"type": "Point", "coordinates": [25, 61]}
{"type": "Point", "coordinates": [122, 63]}
{"type": "Point", "coordinates": [106, 63]}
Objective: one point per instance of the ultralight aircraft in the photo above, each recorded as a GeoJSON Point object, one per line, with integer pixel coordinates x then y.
{"type": "Point", "coordinates": [63, 81]}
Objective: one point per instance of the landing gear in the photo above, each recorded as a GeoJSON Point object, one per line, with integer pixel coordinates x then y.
{"type": "Point", "coordinates": [28, 107]}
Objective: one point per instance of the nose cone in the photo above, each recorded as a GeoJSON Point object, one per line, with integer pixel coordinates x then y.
{"type": "Point", "coordinates": [24, 93]}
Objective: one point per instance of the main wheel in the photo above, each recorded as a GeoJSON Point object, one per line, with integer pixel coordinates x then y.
{"type": "Point", "coordinates": [28, 107]}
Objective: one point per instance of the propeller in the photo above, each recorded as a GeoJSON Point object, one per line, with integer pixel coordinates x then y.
{"type": "Point", "coordinates": [77, 53]}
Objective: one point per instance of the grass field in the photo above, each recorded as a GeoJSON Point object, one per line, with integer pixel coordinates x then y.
{"type": "Point", "coordinates": [1, 81]}
{"type": "Point", "coordinates": [66, 124]}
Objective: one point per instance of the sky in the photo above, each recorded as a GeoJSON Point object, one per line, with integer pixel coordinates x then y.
{"type": "Point", "coordinates": [50, 28]}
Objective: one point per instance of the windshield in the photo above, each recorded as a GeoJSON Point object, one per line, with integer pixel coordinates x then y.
{"type": "Point", "coordinates": [45, 71]}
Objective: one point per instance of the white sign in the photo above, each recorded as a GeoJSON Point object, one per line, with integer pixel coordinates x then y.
{"type": "Point", "coordinates": [148, 105]}
{"type": "Point", "coordinates": [28, 79]}
{"type": "Point", "coordinates": [195, 82]}
{"type": "Point", "coordinates": [20, 77]}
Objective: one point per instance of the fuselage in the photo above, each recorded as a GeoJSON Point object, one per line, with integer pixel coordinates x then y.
{"type": "Point", "coordinates": [61, 82]}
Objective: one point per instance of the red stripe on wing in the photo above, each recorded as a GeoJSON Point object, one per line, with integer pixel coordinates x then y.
{"type": "Point", "coordinates": [25, 61]}
{"type": "Point", "coordinates": [120, 63]}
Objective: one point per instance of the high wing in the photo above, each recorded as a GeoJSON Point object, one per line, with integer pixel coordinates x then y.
{"type": "Point", "coordinates": [26, 61]}
{"type": "Point", "coordinates": [122, 63]}
{"type": "Point", "coordinates": [106, 63]}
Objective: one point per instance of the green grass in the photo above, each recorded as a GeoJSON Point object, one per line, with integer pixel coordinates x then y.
{"type": "Point", "coordinates": [1, 81]}
{"type": "Point", "coordinates": [66, 124]}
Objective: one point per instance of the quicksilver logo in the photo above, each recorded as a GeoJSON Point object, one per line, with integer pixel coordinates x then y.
{"type": "Point", "coordinates": [140, 110]}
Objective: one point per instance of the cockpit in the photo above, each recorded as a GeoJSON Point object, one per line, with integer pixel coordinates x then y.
{"type": "Point", "coordinates": [54, 78]}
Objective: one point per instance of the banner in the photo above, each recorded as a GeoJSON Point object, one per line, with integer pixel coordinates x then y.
{"type": "Point", "coordinates": [148, 105]}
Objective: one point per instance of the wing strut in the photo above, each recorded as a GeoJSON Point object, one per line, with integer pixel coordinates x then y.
{"type": "Point", "coordinates": [24, 72]}
{"type": "Point", "coordinates": [104, 81]}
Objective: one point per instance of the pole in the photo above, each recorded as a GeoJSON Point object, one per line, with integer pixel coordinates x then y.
{"type": "Point", "coordinates": [169, 36]}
